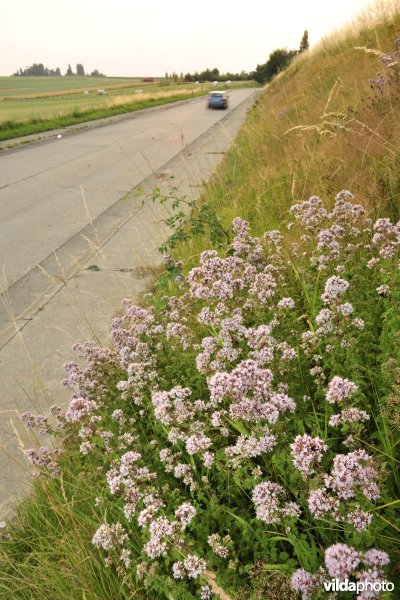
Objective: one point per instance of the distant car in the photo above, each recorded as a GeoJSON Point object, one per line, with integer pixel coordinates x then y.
{"type": "Point", "coordinates": [217, 100]}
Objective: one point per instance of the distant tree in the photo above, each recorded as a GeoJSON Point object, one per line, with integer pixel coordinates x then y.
{"type": "Point", "coordinates": [80, 70]}
{"type": "Point", "coordinates": [97, 73]}
{"type": "Point", "coordinates": [260, 73]}
{"type": "Point", "coordinates": [206, 75]}
{"type": "Point", "coordinates": [69, 72]}
{"type": "Point", "coordinates": [304, 44]}
{"type": "Point", "coordinates": [278, 60]}
{"type": "Point", "coordinates": [38, 70]}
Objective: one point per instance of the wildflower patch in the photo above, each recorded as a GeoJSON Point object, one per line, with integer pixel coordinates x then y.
{"type": "Point", "coordinates": [239, 426]}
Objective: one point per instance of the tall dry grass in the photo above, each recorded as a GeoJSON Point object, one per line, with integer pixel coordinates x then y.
{"type": "Point", "coordinates": [320, 127]}
{"type": "Point", "coordinates": [145, 96]}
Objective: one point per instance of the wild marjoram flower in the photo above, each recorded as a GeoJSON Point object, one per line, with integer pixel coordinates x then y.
{"type": "Point", "coordinates": [192, 567]}
{"type": "Point", "coordinates": [198, 406]}
{"type": "Point", "coordinates": [353, 472]}
{"type": "Point", "coordinates": [219, 545]}
{"type": "Point", "coordinates": [109, 537]}
{"type": "Point", "coordinates": [340, 389]}
{"type": "Point", "coordinates": [269, 500]}
{"type": "Point", "coordinates": [307, 584]}
{"type": "Point", "coordinates": [307, 452]}
{"type": "Point", "coordinates": [343, 562]}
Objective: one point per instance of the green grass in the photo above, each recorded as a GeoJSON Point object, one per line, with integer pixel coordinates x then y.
{"type": "Point", "coordinates": [14, 129]}
{"type": "Point", "coordinates": [50, 555]}
{"type": "Point", "coordinates": [20, 86]}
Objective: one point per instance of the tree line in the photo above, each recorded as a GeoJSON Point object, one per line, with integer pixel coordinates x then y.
{"type": "Point", "coordinates": [39, 70]}
{"type": "Point", "coordinates": [214, 74]}
{"type": "Point", "coordinates": [278, 60]}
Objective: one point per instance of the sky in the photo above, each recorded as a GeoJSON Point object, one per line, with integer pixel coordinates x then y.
{"type": "Point", "coordinates": [151, 37]}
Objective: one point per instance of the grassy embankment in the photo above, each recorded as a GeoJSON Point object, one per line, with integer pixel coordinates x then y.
{"type": "Point", "coordinates": [319, 128]}
{"type": "Point", "coordinates": [35, 104]}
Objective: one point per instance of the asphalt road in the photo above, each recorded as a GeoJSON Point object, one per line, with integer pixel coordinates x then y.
{"type": "Point", "coordinates": [74, 242]}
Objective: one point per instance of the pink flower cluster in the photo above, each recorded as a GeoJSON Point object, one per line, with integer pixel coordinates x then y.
{"type": "Point", "coordinates": [39, 422]}
{"type": "Point", "coordinates": [343, 562]}
{"type": "Point", "coordinates": [79, 408]}
{"type": "Point", "coordinates": [271, 507]}
{"type": "Point", "coordinates": [185, 513]}
{"type": "Point", "coordinates": [335, 287]}
{"type": "Point", "coordinates": [219, 545]}
{"type": "Point", "coordinates": [172, 464]}
{"type": "Point", "coordinates": [173, 407]}
{"type": "Point", "coordinates": [307, 584]}
{"type": "Point", "coordinates": [354, 475]}
{"type": "Point", "coordinates": [192, 567]}
{"type": "Point", "coordinates": [109, 537]}
{"type": "Point", "coordinates": [350, 415]}
{"type": "Point", "coordinates": [307, 452]}
{"type": "Point", "coordinates": [354, 472]}
{"type": "Point", "coordinates": [310, 213]}
{"type": "Point", "coordinates": [340, 389]}
{"type": "Point", "coordinates": [249, 391]}
{"type": "Point", "coordinates": [249, 447]}
{"type": "Point", "coordinates": [387, 238]}
{"type": "Point", "coordinates": [43, 460]}
{"type": "Point", "coordinates": [161, 529]}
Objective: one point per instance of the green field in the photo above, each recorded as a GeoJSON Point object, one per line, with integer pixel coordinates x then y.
{"type": "Point", "coordinates": [17, 86]}
{"type": "Point", "coordinates": [26, 98]}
